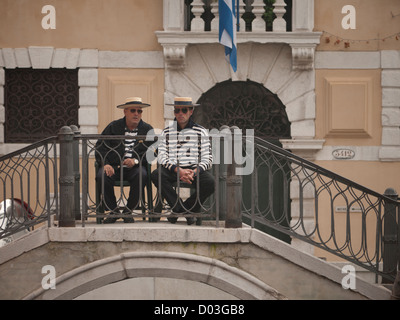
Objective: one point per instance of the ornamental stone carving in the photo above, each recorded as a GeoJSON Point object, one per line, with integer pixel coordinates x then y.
{"type": "Point", "coordinates": [174, 55]}
{"type": "Point", "coordinates": [302, 56]}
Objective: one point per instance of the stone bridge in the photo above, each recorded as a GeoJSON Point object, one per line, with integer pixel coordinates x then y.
{"type": "Point", "coordinates": [163, 261]}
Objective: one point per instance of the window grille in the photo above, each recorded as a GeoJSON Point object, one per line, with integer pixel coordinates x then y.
{"type": "Point", "coordinates": [39, 102]}
{"type": "Point", "coordinates": [245, 104]}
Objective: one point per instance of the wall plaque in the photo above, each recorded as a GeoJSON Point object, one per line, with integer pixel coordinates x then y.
{"type": "Point", "coordinates": [343, 154]}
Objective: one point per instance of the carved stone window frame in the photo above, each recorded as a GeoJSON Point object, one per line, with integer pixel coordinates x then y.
{"type": "Point", "coordinates": [86, 60]}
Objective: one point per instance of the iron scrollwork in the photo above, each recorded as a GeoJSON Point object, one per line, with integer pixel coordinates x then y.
{"type": "Point", "coordinates": [39, 102]}
{"type": "Point", "coordinates": [245, 104]}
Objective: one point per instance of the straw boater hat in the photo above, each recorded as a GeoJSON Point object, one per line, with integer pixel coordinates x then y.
{"type": "Point", "coordinates": [133, 102]}
{"type": "Point", "coordinates": [183, 102]}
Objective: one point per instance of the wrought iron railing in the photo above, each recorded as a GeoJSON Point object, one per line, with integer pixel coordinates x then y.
{"type": "Point", "coordinates": [28, 188]}
{"type": "Point", "coordinates": [151, 204]}
{"type": "Point", "coordinates": [324, 209]}
{"type": "Point", "coordinates": [272, 190]}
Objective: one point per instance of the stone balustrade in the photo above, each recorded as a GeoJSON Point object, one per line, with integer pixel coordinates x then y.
{"type": "Point", "coordinates": [198, 23]}
{"type": "Point", "coordinates": [247, 7]}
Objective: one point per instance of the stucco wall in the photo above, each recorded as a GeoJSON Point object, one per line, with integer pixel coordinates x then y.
{"type": "Point", "coordinates": [96, 24]}
{"type": "Point", "coordinates": [375, 21]}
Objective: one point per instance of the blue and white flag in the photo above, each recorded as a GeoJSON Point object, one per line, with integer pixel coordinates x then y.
{"type": "Point", "coordinates": [227, 30]}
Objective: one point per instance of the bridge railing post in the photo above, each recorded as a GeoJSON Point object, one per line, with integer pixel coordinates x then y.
{"type": "Point", "coordinates": [223, 140]}
{"type": "Point", "coordinates": [77, 175]}
{"type": "Point", "coordinates": [390, 241]}
{"type": "Point", "coordinates": [67, 178]}
{"type": "Point", "coordinates": [233, 187]}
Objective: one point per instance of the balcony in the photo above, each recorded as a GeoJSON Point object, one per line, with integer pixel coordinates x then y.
{"type": "Point", "coordinates": [197, 22]}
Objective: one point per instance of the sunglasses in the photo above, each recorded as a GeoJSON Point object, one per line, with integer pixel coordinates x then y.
{"type": "Point", "coordinates": [184, 110]}
{"type": "Point", "coordinates": [136, 110]}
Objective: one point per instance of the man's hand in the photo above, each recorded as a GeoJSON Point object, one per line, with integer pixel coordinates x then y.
{"type": "Point", "coordinates": [186, 175]}
{"type": "Point", "coordinates": [130, 162]}
{"type": "Point", "coordinates": [108, 170]}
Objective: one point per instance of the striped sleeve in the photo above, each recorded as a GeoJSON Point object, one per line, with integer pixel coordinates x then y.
{"type": "Point", "coordinates": [164, 158]}
{"type": "Point", "coordinates": [188, 148]}
{"type": "Point", "coordinates": [205, 151]}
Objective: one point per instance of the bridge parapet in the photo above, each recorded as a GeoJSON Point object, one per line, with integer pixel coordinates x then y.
{"type": "Point", "coordinates": [245, 262]}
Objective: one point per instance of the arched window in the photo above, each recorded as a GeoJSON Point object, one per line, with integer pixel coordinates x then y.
{"type": "Point", "coordinates": [245, 104]}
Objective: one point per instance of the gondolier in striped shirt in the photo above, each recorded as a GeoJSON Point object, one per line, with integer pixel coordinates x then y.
{"type": "Point", "coordinates": [184, 149]}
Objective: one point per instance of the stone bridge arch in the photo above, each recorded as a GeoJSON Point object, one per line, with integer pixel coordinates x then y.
{"type": "Point", "coordinates": [157, 264]}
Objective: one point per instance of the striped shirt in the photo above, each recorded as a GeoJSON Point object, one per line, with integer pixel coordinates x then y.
{"type": "Point", "coordinates": [130, 143]}
{"type": "Point", "coordinates": [186, 148]}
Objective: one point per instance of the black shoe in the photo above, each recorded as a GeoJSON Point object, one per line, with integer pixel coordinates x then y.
{"type": "Point", "coordinates": [199, 221]}
{"type": "Point", "coordinates": [129, 220]}
{"type": "Point", "coordinates": [190, 220]}
{"type": "Point", "coordinates": [128, 213]}
{"type": "Point", "coordinates": [176, 210]}
{"type": "Point", "coordinates": [173, 220]}
{"type": "Point", "coordinates": [154, 219]}
{"type": "Point", "coordinates": [110, 219]}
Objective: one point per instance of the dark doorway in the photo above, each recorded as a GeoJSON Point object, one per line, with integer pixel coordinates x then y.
{"type": "Point", "coordinates": [246, 104]}
{"type": "Point", "coordinates": [249, 105]}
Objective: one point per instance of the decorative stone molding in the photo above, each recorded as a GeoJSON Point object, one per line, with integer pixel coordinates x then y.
{"type": "Point", "coordinates": [347, 60]}
{"type": "Point", "coordinates": [174, 55]}
{"type": "Point", "coordinates": [48, 57]}
{"type": "Point", "coordinates": [173, 15]}
{"type": "Point", "coordinates": [41, 57]}
{"type": "Point", "coordinates": [303, 15]}
{"type": "Point", "coordinates": [390, 149]}
{"type": "Point", "coordinates": [303, 44]}
{"type": "Point", "coordinates": [131, 59]}
{"type": "Point", "coordinates": [147, 264]}
{"type": "Point", "coordinates": [302, 56]}
{"type": "Point", "coordinates": [305, 148]}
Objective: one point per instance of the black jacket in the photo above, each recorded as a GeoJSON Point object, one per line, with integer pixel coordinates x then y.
{"type": "Point", "coordinates": [112, 151]}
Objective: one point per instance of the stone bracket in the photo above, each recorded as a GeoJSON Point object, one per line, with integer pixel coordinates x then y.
{"type": "Point", "coordinates": [175, 55]}
{"type": "Point", "coordinates": [302, 43]}
{"type": "Point", "coordinates": [305, 148]}
{"type": "Point", "coordinates": [302, 56]}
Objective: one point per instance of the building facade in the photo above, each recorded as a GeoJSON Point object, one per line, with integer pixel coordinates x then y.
{"type": "Point", "coordinates": [330, 70]}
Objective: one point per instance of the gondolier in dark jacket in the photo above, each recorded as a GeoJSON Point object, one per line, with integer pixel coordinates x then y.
{"type": "Point", "coordinates": [123, 156]}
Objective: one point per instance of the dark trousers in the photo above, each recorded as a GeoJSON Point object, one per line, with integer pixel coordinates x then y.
{"type": "Point", "coordinates": [196, 199]}
{"type": "Point", "coordinates": [129, 174]}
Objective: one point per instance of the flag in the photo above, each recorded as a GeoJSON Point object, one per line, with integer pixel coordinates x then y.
{"type": "Point", "coordinates": [227, 30]}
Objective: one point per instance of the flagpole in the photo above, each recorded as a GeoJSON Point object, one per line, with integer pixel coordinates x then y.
{"type": "Point", "coordinates": [237, 16]}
